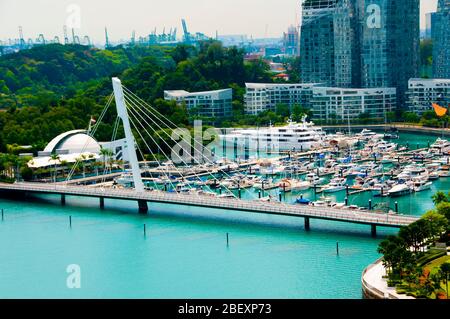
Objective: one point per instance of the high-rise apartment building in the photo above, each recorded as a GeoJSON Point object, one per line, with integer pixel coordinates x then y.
{"type": "Point", "coordinates": [361, 43]}
{"type": "Point", "coordinates": [317, 42]}
{"type": "Point", "coordinates": [291, 41]}
{"type": "Point", "coordinates": [440, 26]}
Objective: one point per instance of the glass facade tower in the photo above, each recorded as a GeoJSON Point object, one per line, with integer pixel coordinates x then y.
{"type": "Point", "coordinates": [440, 34]}
{"type": "Point", "coordinates": [361, 43]}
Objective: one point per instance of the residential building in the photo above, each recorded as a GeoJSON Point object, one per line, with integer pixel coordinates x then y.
{"type": "Point", "coordinates": [390, 41]}
{"type": "Point", "coordinates": [317, 42]}
{"type": "Point", "coordinates": [423, 92]}
{"type": "Point", "coordinates": [291, 41]}
{"type": "Point", "coordinates": [360, 43]}
{"type": "Point", "coordinates": [427, 33]}
{"type": "Point", "coordinates": [329, 103]}
{"type": "Point", "coordinates": [261, 97]}
{"type": "Point", "coordinates": [213, 104]}
{"type": "Point", "coordinates": [440, 26]}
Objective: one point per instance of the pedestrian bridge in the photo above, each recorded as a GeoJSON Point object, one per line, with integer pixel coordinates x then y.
{"type": "Point", "coordinates": [366, 217]}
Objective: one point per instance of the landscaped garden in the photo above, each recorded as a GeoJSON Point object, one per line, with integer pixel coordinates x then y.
{"type": "Point", "coordinates": [416, 260]}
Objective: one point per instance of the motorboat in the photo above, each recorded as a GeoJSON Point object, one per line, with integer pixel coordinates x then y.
{"type": "Point", "coordinates": [367, 135]}
{"type": "Point", "coordinates": [400, 190]}
{"type": "Point", "coordinates": [440, 146]}
{"type": "Point", "coordinates": [314, 179]}
{"type": "Point", "coordinates": [265, 185]}
{"type": "Point", "coordinates": [294, 185]}
{"type": "Point", "coordinates": [421, 185]}
{"type": "Point", "coordinates": [335, 185]}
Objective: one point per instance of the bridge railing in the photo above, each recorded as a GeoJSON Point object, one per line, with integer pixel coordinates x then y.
{"type": "Point", "coordinates": [363, 216]}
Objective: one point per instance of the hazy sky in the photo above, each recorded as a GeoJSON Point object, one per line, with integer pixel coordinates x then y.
{"type": "Point", "coordinates": [259, 18]}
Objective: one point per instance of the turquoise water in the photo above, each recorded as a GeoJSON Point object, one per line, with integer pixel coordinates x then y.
{"type": "Point", "coordinates": [184, 253]}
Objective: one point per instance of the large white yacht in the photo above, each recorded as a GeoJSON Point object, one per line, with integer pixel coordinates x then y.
{"type": "Point", "coordinates": [293, 136]}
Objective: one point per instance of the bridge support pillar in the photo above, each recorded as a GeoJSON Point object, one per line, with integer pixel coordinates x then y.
{"type": "Point", "coordinates": [373, 230]}
{"type": "Point", "coordinates": [143, 206]}
{"type": "Point", "coordinates": [63, 199]}
{"type": "Point", "coordinates": [307, 227]}
{"type": "Point", "coordinates": [102, 203]}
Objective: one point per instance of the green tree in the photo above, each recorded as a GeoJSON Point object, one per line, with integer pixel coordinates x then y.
{"type": "Point", "coordinates": [439, 197]}
{"type": "Point", "coordinates": [55, 158]}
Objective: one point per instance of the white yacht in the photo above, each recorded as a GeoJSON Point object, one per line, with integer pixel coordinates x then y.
{"type": "Point", "coordinates": [293, 185]}
{"type": "Point", "coordinates": [293, 136]}
{"type": "Point", "coordinates": [440, 146]}
{"type": "Point", "coordinates": [335, 185]}
{"type": "Point", "coordinates": [314, 179]}
{"type": "Point", "coordinates": [421, 185]}
{"type": "Point", "coordinates": [368, 135]}
{"type": "Point", "coordinates": [399, 190]}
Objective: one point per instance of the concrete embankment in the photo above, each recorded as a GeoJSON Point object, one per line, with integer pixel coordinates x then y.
{"type": "Point", "coordinates": [374, 286]}
{"type": "Point", "coordinates": [401, 127]}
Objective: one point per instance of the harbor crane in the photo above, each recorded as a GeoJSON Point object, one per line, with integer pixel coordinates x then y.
{"type": "Point", "coordinates": [75, 38]}
{"type": "Point", "coordinates": [22, 43]}
{"type": "Point", "coordinates": [106, 38]}
{"type": "Point", "coordinates": [66, 38]}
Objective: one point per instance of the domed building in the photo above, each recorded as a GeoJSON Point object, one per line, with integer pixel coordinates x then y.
{"type": "Point", "coordinates": [76, 145]}
{"type": "Point", "coordinates": [76, 141]}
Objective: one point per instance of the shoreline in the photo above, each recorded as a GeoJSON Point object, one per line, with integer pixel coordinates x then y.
{"type": "Point", "coordinates": [374, 286]}
{"type": "Point", "coordinates": [401, 127]}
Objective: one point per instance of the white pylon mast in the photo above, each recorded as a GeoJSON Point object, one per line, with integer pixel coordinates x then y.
{"type": "Point", "coordinates": [123, 114]}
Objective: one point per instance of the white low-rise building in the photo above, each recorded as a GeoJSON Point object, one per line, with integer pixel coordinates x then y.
{"type": "Point", "coordinates": [329, 103]}
{"type": "Point", "coordinates": [423, 92]}
{"type": "Point", "coordinates": [260, 97]}
{"type": "Point", "coordinates": [75, 146]}
{"type": "Point", "coordinates": [213, 104]}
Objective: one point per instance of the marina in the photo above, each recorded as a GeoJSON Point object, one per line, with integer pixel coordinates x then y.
{"type": "Point", "coordinates": [348, 192]}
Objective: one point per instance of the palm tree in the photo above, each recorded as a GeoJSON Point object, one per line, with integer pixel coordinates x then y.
{"type": "Point", "coordinates": [55, 158]}
{"type": "Point", "coordinates": [105, 152]}
{"type": "Point", "coordinates": [63, 167]}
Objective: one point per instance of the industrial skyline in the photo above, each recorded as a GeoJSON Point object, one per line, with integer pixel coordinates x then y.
{"type": "Point", "coordinates": [49, 16]}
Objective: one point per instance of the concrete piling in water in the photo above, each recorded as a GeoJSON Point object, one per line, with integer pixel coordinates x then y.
{"type": "Point", "coordinates": [145, 231]}
{"type": "Point", "coordinates": [337, 248]}
{"type": "Point", "coordinates": [346, 201]}
{"type": "Point", "coordinates": [143, 207]}
{"type": "Point", "coordinates": [396, 207]}
{"type": "Point", "coordinates": [102, 203]}
{"type": "Point", "coordinates": [70, 221]}
{"type": "Point", "coordinates": [259, 194]}
{"type": "Point", "coordinates": [228, 240]}
{"type": "Point", "coordinates": [279, 195]}
{"type": "Point", "coordinates": [3, 213]}
{"type": "Point", "coordinates": [63, 199]}
{"type": "Point", "coordinates": [370, 204]}
{"type": "Point", "coordinates": [373, 230]}
{"type": "Point", "coordinates": [307, 225]}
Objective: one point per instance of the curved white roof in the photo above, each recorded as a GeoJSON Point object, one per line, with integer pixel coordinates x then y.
{"type": "Point", "coordinates": [76, 141]}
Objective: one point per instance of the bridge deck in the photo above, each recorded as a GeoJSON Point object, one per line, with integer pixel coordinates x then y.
{"type": "Point", "coordinates": [255, 206]}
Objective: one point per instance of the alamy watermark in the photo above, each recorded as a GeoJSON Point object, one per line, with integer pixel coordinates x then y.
{"type": "Point", "coordinates": [73, 280]}
{"type": "Point", "coordinates": [73, 20]}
